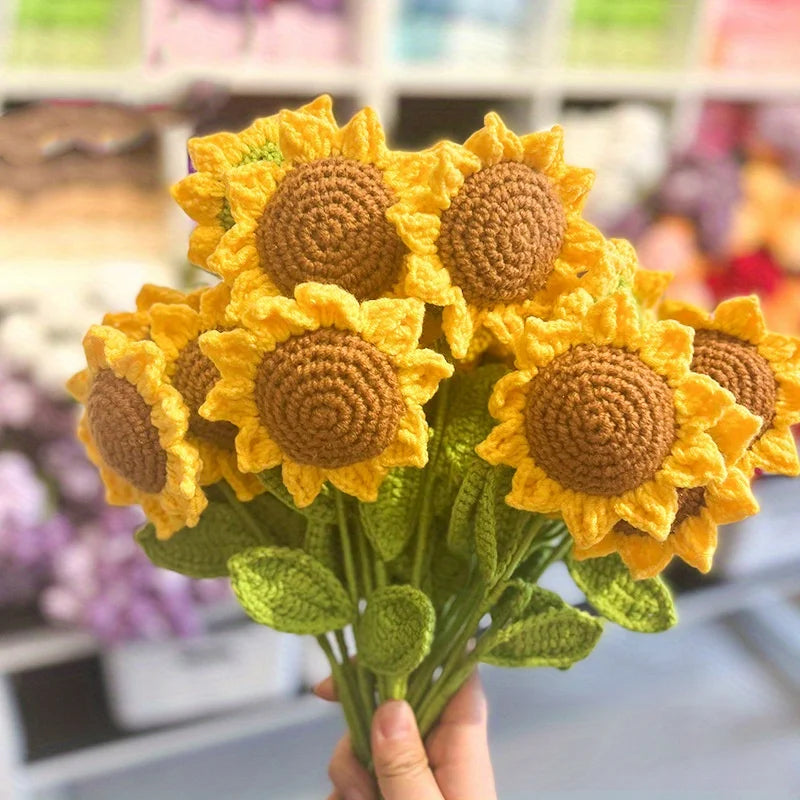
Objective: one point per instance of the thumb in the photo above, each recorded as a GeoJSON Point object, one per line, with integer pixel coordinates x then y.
{"type": "Point", "coordinates": [401, 764]}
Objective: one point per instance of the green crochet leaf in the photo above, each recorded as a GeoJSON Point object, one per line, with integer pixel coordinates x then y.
{"type": "Point", "coordinates": [388, 521]}
{"type": "Point", "coordinates": [203, 551]}
{"type": "Point", "coordinates": [644, 606]}
{"type": "Point", "coordinates": [523, 599]}
{"type": "Point", "coordinates": [448, 573]}
{"type": "Point", "coordinates": [322, 542]}
{"type": "Point", "coordinates": [289, 591]}
{"type": "Point", "coordinates": [553, 638]}
{"type": "Point", "coordinates": [461, 528]}
{"type": "Point", "coordinates": [396, 630]}
{"type": "Point", "coordinates": [498, 526]}
{"type": "Point", "coordinates": [322, 509]}
{"type": "Point", "coordinates": [468, 419]}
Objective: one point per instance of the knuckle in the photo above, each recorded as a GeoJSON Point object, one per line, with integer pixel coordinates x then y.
{"type": "Point", "coordinates": [403, 764]}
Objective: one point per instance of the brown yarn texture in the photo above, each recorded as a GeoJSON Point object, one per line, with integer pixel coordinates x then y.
{"type": "Point", "coordinates": [329, 398]}
{"type": "Point", "coordinates": [194, 377]}
{"type": "Point", "coordinates": [119, 420]}
{"type": "Point", "coordinates": [690, 503]}
{"type": "Point", "coordinates": [740, 368]}
{"type": "Point", "coordinates": [327, 223]}
{"type": "Point", "coordinates": [502, 234]}
{"type": "Point", "coordinates": [598, 420]}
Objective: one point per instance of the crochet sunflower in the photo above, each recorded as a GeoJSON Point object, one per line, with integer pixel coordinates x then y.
{"type": "Point", "coordinates": [760, 368]}
{"type": "Point", "coordinates": [604, 422]}
{"type": "Point", "coordinates": [175, 328]}
{"type": "Point", "coordinates": [134, 428]}
{"type": "Point", "coordinates": [202, 194]}
{"type": "Point", "coordinates": [320, 214]}
{"type": "Point", "coordinates": [693, 533]}
{"type": "Point", "coordinates": [496, 228]}
{"type": "Point", "coordinates": [328, 388]}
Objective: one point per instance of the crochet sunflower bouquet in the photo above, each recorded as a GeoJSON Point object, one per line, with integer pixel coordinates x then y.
{"type": "Point", "coordinates": [421, 379]}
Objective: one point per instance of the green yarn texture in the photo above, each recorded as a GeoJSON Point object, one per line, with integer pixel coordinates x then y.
{"type": "Point", "coordinates": [396, 630]}
{"type": "Point", "coordinates": [289, 591]}
{"type": "Point", "coordinates": [388, 522]}
{"type": "Point", "coordinates": [644, 606]}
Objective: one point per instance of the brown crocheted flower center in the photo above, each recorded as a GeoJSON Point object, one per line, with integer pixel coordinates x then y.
{"type": "Point", "coordinates": [194, 377]}
{"type": "Point", "coordinates": [598, 420]}
{"type": "Point", "coordinates": [690, 503]}
{"type": "Point", "coordinates": [119, 421]}
{"type": "Point", "coordinates": [502, 234]}
{"type": "Point", "coordinates": [327, 223]}
{"type": "Point", "coordinates": [329, 398]}
{"type": "Point", "coordinates": [740, 368]}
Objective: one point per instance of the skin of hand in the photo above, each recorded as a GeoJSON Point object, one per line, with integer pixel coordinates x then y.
{"type": "Point", "coordinates": [453, 764]}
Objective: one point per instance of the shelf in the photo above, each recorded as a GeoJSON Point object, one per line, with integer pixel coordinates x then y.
{"type": "Point", "coordinates": [154, 746]}
{"type": "Point", "coordinates": [41, 647]}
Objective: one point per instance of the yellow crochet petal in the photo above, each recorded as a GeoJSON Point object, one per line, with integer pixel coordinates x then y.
{"type": "Point", "coordinates": [701, 401]}
{"type": "Point", "coordinates": [428, 280]}
{"type": "Point", "coordinates": [235, 254]}
{"type": "Point", "coordinates": [787, 405]}
{"type": "Point", "coordinates": [327, 305]}
{"type": "Point", "coordinates": [734, 432]}
{"type": "Point", "coordinates": [509, 395]}
{"type": "Point", "coordinates": [250, 187]}
{"type": "Point", "coordinates": [694, 461]}
{"type": "Point", "coordinates": [322, 107]}
{"type": "Point", "coordinates": [732, 499]}
{"type": "Point", "coordinates": [776, 452]}
{"type": "Point", "coordinates": [532, 490]}
{"type": "Point", "coordinates": [200, 195]}
{"type": "Point", "coordinates": [360, 480]}
{"type": "Point", "coordinates": [234, 353]}
{"type": "Point", "coordinates": [203, 240]}
{"type": "Point", "coordinates": [588, 518]}
{"type": "Point", "coordinates": [667, 347]}
{"type": "Point", "coordinates": [741, 317]}
{"type": "Point", "coordinates": [781, 350]}
{"type": "Point", "coordinates": [644, 556]}
{"type": "Point", "coordinates": [650, 508]}
{"type": "Point", "coordinates": [684, 313]}
{"type": "Point", "coordinates": [172, 327]}
{"type": "Point", "coordinates": [213, 153]}
{"type": "Point", "coordinates": [494, 142]}
{"type": "Point", "coordinates": [363, 139]}
{"type": "Point", "coordinates": [150, 294]}
{"type": "Point", "coordinates": [575, 185]}
{"type": "Point", "coordinates": [303, 482]}
{"type": "Point", "coordinates": [544, 150]}
{"type": "Point", "coordinates": [614, 320]}
{"type": "Point", "coordinates": [505, 444]}
{"type": "Point", "coordinates": [410, 447]}
{"type": "Point", "coordinates": [78, 385]}
{"type": "Point", "coordinates": [420, 373]}
{"type": "Point", "coordinates": [695, 541]}
{"type": "Point", "coordinates": [458, 324]}
{"type": "Point", "coordinates": [304, 137]}
{"type": "Point", "coordinates": [255, 449]}
{"type": "Point", "coordinates": [543, 341]}
{"type": "Point", "coordinates": [393, 325]}
{"type": "Point", "coordinates": [649, 287]}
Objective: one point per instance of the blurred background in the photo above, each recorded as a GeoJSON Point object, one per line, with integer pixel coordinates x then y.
{"type": "Point", "coordinates": [120, 681]}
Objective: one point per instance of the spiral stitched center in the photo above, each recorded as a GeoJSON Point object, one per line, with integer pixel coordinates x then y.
{"type": "Point", "coordinates": [740, 368]}
{"type": "Point", "coordinates": [502, 234]}
{"type": "Point", "coordinates": [327, 223]}
{"type": "Point", "coordinates": [329, 398]}
{"type": "Point", "coordinates": [194, 377]}
{"type": "Point", "coordinates": [690, 503]}
{"type": "Point", "coordinates": [127, 440]}
{"type": "Point", "coordinates": [598, 420]}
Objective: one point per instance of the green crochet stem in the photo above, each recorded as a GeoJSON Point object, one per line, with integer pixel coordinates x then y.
{"type": "Point", "coordinates": [461, 663]}
{"type": "Point", "coordinates": [425, 514]}
{"type": "Point", "coordinates": [359, 734]}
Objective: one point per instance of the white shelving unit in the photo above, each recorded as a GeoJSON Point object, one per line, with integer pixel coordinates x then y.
{"type": "Point", "coordinates": [374, 78]}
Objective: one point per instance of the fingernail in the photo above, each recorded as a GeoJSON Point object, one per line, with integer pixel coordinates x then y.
{"type": "Point", "coordinates": [395, 719]}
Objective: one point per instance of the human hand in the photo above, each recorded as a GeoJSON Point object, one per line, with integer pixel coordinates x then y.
{"type": "Point", "coordinates": [453, 764]}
